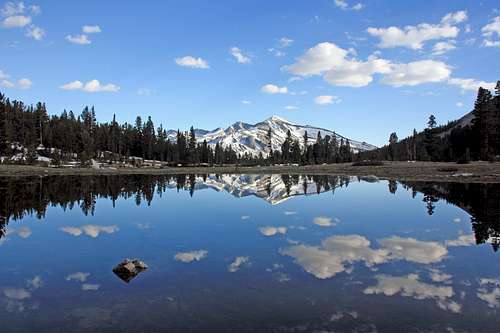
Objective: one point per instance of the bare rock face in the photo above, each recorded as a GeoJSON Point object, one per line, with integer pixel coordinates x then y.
{"type": "Point", "coordinates": [129, 269]}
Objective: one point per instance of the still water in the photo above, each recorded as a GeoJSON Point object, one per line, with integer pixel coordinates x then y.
{"type": "Point", "coordinates": [243, 253]}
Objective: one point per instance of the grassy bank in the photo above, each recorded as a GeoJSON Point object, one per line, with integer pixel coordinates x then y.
{"type": "Point", "coordinates": [418, 171]}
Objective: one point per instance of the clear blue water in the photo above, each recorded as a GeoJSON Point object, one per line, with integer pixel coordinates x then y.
{"type": "Point", "coordinates": [240, 254]}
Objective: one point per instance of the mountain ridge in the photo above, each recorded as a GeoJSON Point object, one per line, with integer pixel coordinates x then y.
{"type": "Point", "coordinates": [252, 138]}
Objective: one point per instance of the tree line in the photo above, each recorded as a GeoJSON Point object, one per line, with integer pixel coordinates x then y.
{"type": "Point", "coordinates": [478, 139]}
{"type": "Point", "coordinates": [81, 137]}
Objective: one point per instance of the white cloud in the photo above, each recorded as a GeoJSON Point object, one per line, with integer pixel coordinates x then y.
{"type": "Point", "coordinates": [324, 221]}
{"type": "Point", "coordinates": [414, 37]}
{"type": "Point", "coordinates": [191, 256]}
{"type": "Point", "coordinates": [492, 29]}
{"type": "Point", "coordinates": [318, 59]}
{"type": "Point", "coordinates": [342, 4]}
{"type": "Point", "coordinates": [239, 56]}
{"type": "Point", "coordinates": [290, 212]}
{"type": "Point", "coordinates": [331, 61]}
{"type": "Point", "coordinates": [245, 217]}
{"type": "Point", "coordinates": [78, 39]}
{"type": "Point", "coordinates": [35, 32]}
{"type": "Point", "coordinates": [438, 276]}
{"type": "Point", "coordinates": [75, 85]}
{"type": "Point", "coordinates": [490, 295]}
{"type": "Point", "coordinates": [410, 286]}
{"type": "Point", "coordinates": [459, 105]}
{"type": "Point", "coordinates": [455, 18]}
{"type": "Point", "coordinates": [35, 9]}
{"type": "Point", "coordinates": [291, 107]}
{"type": "Point", "coordinates": [462, 240]}
{"type": "Point", "coordinates": [418, 72]}
{"type": "Point", "coordinates": [285, 42]}
{"type": "Point", "coordinates": [78, 276]}
{"type": "Point", "coordinates": [238, 261]}
{"type": "Point", "coordinates": [24, 83]}
{"type": "Point", "coordinates": [35, 283]}
{"type": "Point", "coordinates": [94, 230]}
{"type": "Point", "coordinates": [337, 252]}
{"type": "Point", "coordinates": [74, 231]}
{"type": "Point", "coordinates": [491, 43]}
{"type": "Point", "coordinates": [331, 258]}
{"type": "Point", "coordinates": [90, 230]}
{"type": "Point", "coordinates": [274, 89]}
{"type": "Point", "coordinates": [276, 52]}
{"type": "Point", "coordinates": [414, 250]}
{"type": "Point", "coordinates": [471, 84]}
{"type": "Point", "coordinates": [12, 8]}
{"type": "Point", "coordinates": [24, 232]}
{"type": "Point", "coordinates": [16, 21]}
{"type": "Point", "coordinates": [358, 6]}
{"type": "Point", "coordinates": [90, 86]}
{"type": "Point", "coordinates": [246, 102]}
{"type": "Point", "coordinates": [192, 62]}
{"type": "Point", "coordinates": [443, 47]}
{"type": "Point", "coordinates": [96, 86]}
{"type": "Point", "coordinates": [91, 29]}
{"type": "Point", "coordinates": [90, 287]}
{"type": "Point", "coordinates": [7, 84]}
{"type": "Point", "coordinates": [16, 294]}
{"type": "Point", "coordinates": [271, 231]}
{"type": "Point", "coordinates": [327, 99]}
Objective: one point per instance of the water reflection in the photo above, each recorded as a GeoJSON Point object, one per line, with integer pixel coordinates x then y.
{"type": "Point", "coordinates": [296, 254]}
{"type": "Point", "coordinates": [33, 195]}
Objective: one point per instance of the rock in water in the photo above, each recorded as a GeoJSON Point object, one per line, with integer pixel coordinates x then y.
{"type": "Point", "coordinates": [129, 269]}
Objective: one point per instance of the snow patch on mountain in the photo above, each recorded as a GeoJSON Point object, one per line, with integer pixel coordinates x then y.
{"type": "Point", "coordinates": [253, 139]}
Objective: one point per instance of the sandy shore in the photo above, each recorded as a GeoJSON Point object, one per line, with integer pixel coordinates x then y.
{"type": "Point", "coordinates": [418, 171]}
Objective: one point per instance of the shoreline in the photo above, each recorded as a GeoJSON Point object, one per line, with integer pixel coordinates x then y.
{"type": "Point", "coordinates": [475, 172]}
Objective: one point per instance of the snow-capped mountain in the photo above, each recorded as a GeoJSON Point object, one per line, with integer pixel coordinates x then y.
{"type": "Point", "coordinates": [252, 139]}
{"type": "Point", "coordinates": [271, 188]}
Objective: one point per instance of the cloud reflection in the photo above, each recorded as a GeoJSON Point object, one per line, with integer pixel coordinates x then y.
{"type": "Point", "coordinates": [410, 286]}
{"type": "Point", "coordinates": [191, 256]}
{"type": "Point", "coordinates": [78, 276]}
{"type": "Point", "coordinates": [336, 254]}
{"type": "Point", "coordinates": [90, 230]}
{"type": "Point", "coordinates": [271, 231]}
{"type": "Point", "coordinates": [238, 261]}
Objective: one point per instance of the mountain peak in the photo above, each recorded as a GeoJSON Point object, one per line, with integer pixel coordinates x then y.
{"type": "Point", "coordinates": [275, 118]}
{"type": "Point", "coordinates": [253, 139]}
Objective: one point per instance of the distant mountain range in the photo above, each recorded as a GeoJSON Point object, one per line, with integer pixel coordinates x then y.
{"type": "Point", "coordinates": [252, 139]}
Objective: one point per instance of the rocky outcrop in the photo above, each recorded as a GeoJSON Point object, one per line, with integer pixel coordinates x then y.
{"type": "Point", "coordinates": [129, 269]}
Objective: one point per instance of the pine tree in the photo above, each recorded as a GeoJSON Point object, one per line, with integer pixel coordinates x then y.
{"type": "Point", "coordinates": [270, 144]}
{"type": "Point", "coordinates": [192, 146]}
{"type": "Point", "coordinates": [431, 123]}
{"type": "Point", "coordinates": [3, 126]}
{"type": "Point", "coordinates": [393, 139]}
{"type": "Point", "coordinates": [430, 140]}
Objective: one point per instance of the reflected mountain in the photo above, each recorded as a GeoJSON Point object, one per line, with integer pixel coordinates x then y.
{"type": "Point", "coordinates": [33, 195]}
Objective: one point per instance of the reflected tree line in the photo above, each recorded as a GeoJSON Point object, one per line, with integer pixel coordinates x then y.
{"type": "Point", "coordinates": [32, 196]}
{"type": "Point", "coordinates": [480, 200]}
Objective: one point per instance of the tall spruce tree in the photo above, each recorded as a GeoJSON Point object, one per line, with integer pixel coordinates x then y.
{"type": "Point", "coordinates": [3, 126]}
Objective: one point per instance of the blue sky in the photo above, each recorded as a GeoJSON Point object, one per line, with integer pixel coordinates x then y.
{"type": "Point", "coordinates": [362, 68]}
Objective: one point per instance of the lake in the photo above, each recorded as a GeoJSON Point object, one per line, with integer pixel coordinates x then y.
{"type": "Point", "coordinates": [248, 253]}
